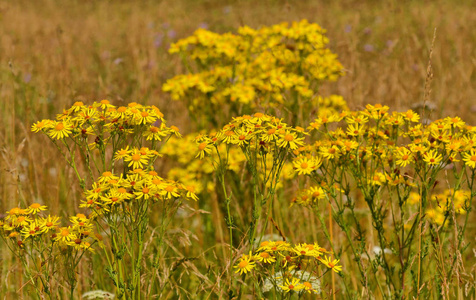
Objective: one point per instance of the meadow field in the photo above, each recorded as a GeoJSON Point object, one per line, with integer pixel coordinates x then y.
{"type": "Point", "coordinates": [237, 149]}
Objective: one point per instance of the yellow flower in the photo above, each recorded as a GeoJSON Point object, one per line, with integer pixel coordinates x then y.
{"type": "Point", "coordinates": [432, 157]}
{"type": "Point", "coordinates": [317, 193]}
{"type": "Point", "coordinates": [154, 133]}
{"type": "Point", "coordinates": [332, 264]}
{"type": "Point", "coordinates": [60, 130]}
{"type": "Point", "coordinates": [120, 154]}
{"type": "Point", "coordinates": [265, 257]}
{"type": "Point", "coordinates": [31, 230]}
{"type": "Point", "coordinates": [455, 122]}
{"type": "Point", "coordinates": [144, 117]}
{"type": "Point", "coordinates": [245, 265]}
{"type": "Point", "coordinates": [136, 159]}
{"type": "Point", "coordinates": [470, 158]}
{"type": "Point", "coordinates": [204, 148]}
{"type": "Point", "coordinates": [170, 191]}
{"type": "Point", "coordinates": [305, 165]}
{"type": "Point", "coordinates": [143, 191]}
{"type": "Point", "coordinates": [41, 125]}
{"type": "Point", "coordinates": [290, 140]}
{"type": "Point", "coordinates": [49, 223]}
{"type": "Point", "coordinates": [293, 285]}
{"type": "Point", "coordinates": [355, 130]}
{"type": "Point", "coordinates": [329, 152]}
{"type": "Point", "coordinates": [404, 157]}
{"type": "Point", "coordinates": [35, 208]}
{"type": "Point", "coordinates": [304, 250]}
{"type": "Point", "coordinates": [65, 235]}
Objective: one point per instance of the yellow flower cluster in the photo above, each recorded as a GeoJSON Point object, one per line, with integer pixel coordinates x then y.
{"type": "Point", "coordinates": [393, 139]}
{"type": "Point", "coordinates": [199, 173]}
{"type": "Point", "coordinates": [24, 227]}
{"type": "Point", "coordinates": [260, 132]}
{"type": "Point", "coordinates": [81, 121]}
{"type": "Point", "coordinates": [111, 190]}
{"type": "Point", "coordinates": [442, 204]}
{"type": "Point", "coordinates": [296, 263]}
{"type": "Point", "coordinates": [268, 67]}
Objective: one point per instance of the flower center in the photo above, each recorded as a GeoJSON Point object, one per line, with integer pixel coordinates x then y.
{"type": "Point", "coordinates": [289, 137]}
{"type": "Point", "coordinates": [243, 264]}
{"type": "Point", "coordinates": [202, 146]}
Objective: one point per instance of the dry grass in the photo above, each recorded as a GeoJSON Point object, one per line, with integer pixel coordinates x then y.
{"type": "Point", "coordinates": [52, 54]}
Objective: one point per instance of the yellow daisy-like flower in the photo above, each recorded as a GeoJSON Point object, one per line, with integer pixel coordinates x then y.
{"type": "Point", "coordinates": [65, 235]}
{"type": "Point", "coordinates": [265, 257]}
{"type": "Point", "coordinates": [329, 152]}
{"type": "Point", "coordinates": [290, 140]}
{"type": "Point", "coordinates": [112, 199]}
{"type": "Point", "coordinates": [227, 136]}
{"type": "Point", "coordinates": [317, 193]}
{"type": "Point", "coordinates": [145, 117]}
{"type": "Point", "coordinates": [31, 230]}
{"type": "Point", "coordinates": [355, 130]}
{"type": "Point", "coordinates": [273, 246]}
{"type": "Point", "coordinates": [154, 133]}
{"type": "Point", "coordinates": [332, 264]}
{"type": "Point", "coordinates": [170, 191]}
{"type": "Point", "coordinates": [293, 285]}
{"type": "Point", "coordinates": [120, 154]}
{"type": "Point", "coordinates": [432, 157]}
{"type": "Point", "coordinates": [245, 265]}
{"type": "Point", "coordinates": [470, 158]}
{"type": "Point", "coordinates": [49, 223]}
{"type": "Point", "coordinates": [144, 191]}
{"type": "Point", "coordinates": [175, 130]}
{"type": "Point", "coordinates": [107, 176]}
{"type": "Point", "coordinates": [21, 221]}
{"type": "Point", "coordinates": [304, 250]}
{"type": "Point", "coordinates": [404, 157]}
{"type": "Point", "coordinates": [60, 130]}
{"type": "Point", "coordinates": [306, 165]}
{"type": "Point", "coordinates": [204, 149]}
{"type": "Point", "coordinates": [41, 125]}
{"type": "Point", "coordinates": [191, 192]}
{"type": "Point", "coordinates": [35, 208]}
{"type": "Point", "coordinates": [136, 159]}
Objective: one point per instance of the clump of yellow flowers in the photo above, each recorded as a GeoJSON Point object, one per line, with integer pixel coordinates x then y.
{"type": "Point", "coordinates": [390, 167]}
{"type": "Point", "coordinates": [118, 147]}
{"type": "Point", "coordinates": [283, 268]}
{"type": "Point", "coordinates": [45, 248]}
{"type": "Point", "coordinates": [279, 66]}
